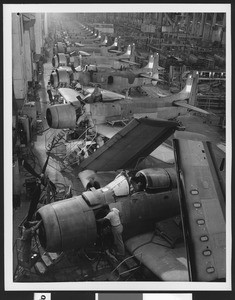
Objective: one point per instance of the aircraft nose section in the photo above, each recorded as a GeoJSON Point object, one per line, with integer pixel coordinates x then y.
{"type": "Point", "coordinates": [67, 224]}
{"type": "Point", "coordinates": [61, 116]}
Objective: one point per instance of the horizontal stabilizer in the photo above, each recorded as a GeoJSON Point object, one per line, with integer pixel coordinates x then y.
{"type": "Point", "coordinates": [130, 145]}
{"type": "Point", "coordinates": [83, 53]}
{"type": "Point", "coordinates": [79, 45]}
{"type": "Point", "coordinates": [144, 75]}
{"type": "Point", "coordinates": [132, 63]}
{"type": "Point", "coordinates": [186, 105]}
{"type": "Point", "coordinates": [115, 51]}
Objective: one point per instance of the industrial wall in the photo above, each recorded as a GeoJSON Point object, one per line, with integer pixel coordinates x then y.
{"type": "Point", "coordinates": [28, 35]}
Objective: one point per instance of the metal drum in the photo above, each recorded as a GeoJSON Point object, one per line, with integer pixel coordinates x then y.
{"type": "Point", "coordinates": [67, 224]}
{"type": "Point", "coordinates": [61, 116]}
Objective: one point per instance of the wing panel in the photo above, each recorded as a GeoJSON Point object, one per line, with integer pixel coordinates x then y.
{"type": "Point", "coordinates": [203, 206]}
{"type": "Point", "coordinates": [168, 264]}
{"type": "Point", "coordinates": [130, 145]}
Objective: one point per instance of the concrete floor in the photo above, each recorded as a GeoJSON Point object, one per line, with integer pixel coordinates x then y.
{"type": "Point", "coordinates": [68, 270]}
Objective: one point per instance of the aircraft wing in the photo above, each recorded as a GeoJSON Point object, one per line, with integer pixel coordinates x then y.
{"type": "Point", "coordinates": [107, 131]}
{"type": "Point", "coordinates": [79, 45]}
{"type": "Point", "coordinates": [163, 153]}
{"type": "Point", "coordinates": [202, 200]}
{"type": "Point", "coordinates": [84, 53]}
{"type": "Point", "coordinates": [70, 96]}
{"type": "Point", "coordinates": [154, 91]}
{"type": "Point", "coordinates": [168, 264]}
{"type": "Point", "coordinates": [186, 105]}
{"type": "Point", "coordinates": [130, 145]}
{"type": "Point", "coordinates": [107, 95]}
{"type": "Point", "coordinates": [115, 51]}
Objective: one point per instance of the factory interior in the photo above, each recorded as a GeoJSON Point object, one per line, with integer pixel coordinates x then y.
{"type": "Point", "coordinates": [126, 110]}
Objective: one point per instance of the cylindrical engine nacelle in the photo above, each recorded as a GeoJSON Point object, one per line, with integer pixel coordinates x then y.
{"type": "Point", "coordinates": [157, 178]}
{"type": "Point", "coordinates": [62, 59]}
{"type": "Point", "coordinates": [59, 60]}
{"type": "Point", "coordinates": [63, 77]}
{"type": "Point", "coordinates": [67, 224]}
{"type": "Point", "coordinates": [60, 77]}
{"type": "Point", "coordinates": [60, 47]}
{"type": "Point", "coordinates": [61, 116]}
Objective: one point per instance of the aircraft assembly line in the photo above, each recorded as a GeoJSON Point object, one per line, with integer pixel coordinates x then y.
{"type": "Point", "coordinates": [125, 121]}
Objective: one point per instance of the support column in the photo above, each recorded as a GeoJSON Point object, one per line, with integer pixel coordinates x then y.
{"type": "Point", "coordinates": [203, 18]}
{"type": "Point", "coordinates": [46, 24]}
{"type": "Point", "coordinates": [38, 33]}
{"type": "Point", "coordinates": [18, 64]}
{"type": "Point", "coordinates": [27, 56]}
{"type": "Point", "coordinates": [160, 15]}
{"type": "Point", "coordinates": [193, 24]}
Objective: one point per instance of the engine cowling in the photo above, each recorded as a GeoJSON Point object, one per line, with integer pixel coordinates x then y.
{"type": "Point", "coordinates": [67, 224]}
{"type": "Point", "coordinates": [60, 77]}
{"type": "Point", "coordinates": [61, 116]}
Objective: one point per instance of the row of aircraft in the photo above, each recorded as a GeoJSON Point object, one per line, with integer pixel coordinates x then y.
{"type": "Point", "coordinates": [175, 223]}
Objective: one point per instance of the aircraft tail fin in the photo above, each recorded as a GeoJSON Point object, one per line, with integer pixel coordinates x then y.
{"type": "Point", "coordinates": [99, 36]}
{"type": "Point", "coordinates": [128, 51]}
{"type": "Point", "coordinates": [156, 77]}
{"type": "Point", "coordinates": [115, 43]}
{"type": "Point", "coordinates": [155, 62]}
{"type": "Point", "coordinates": [188, 86]}
{"type": "Point", "coordinates": [105, 41]}
{"type": "Point", "coordinates": [149, 67]}
{"type": "Point", "coordinates": [132, 58]}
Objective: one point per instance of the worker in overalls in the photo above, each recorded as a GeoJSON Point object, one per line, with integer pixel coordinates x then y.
{"type": "Point", "coordinates": [113, 216]}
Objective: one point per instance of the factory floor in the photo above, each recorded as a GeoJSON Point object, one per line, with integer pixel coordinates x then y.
{"type": "Point", "coordinates": [78, 266]}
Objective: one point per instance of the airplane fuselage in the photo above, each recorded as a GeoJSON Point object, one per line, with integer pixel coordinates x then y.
{"type": "Point", "coordinates": [71, 223]}
{"type": "Point", "coordinates": [125, 109]}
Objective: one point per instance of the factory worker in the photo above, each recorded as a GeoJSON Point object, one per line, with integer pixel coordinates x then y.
{"type": "Point", "coordinates": [49, 92]}
{"type": "Point", "coordinates": [114, 217]}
